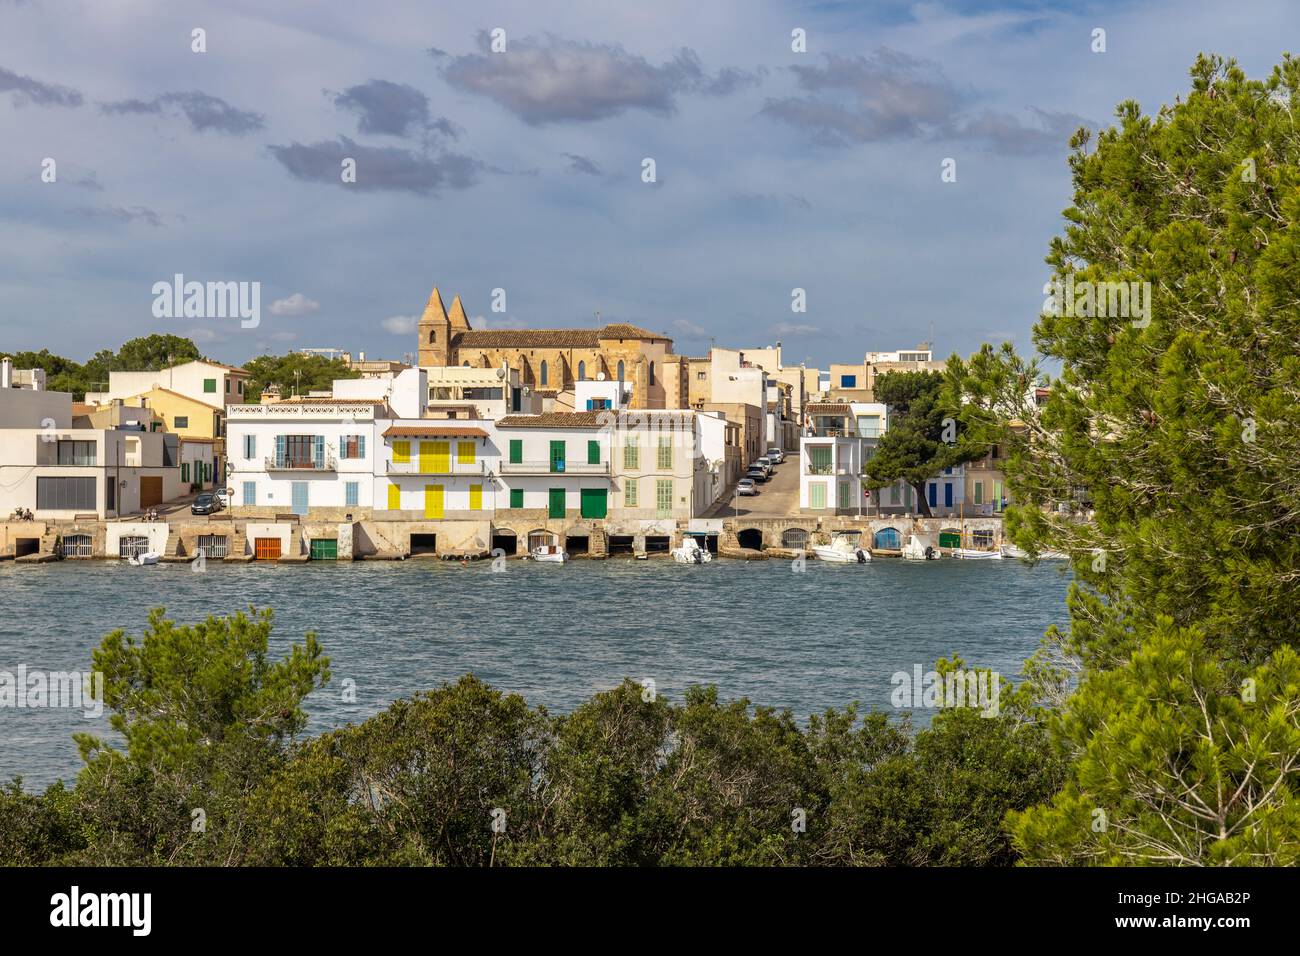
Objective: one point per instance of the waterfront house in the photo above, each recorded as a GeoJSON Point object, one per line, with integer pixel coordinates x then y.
{"type": "Point", "coordinates": [60, 471]}
{"type": "Point", "coordinates": [841, 437]}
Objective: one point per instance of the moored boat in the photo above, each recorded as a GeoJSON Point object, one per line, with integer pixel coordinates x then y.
{"type": "Point", "coordinates": [918, 549]}
{"type": "Point", "coordinates": [552, 553]}
{"type": "Point", "coordinates": [691, 553]}
{"type": "Point", "coordinates": [843, 549]}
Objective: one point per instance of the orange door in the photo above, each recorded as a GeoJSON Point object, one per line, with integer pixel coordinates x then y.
{"type": "Point", "coordinates": [266, 549]}
{"type": "Point", "coordinates": [150, 491]}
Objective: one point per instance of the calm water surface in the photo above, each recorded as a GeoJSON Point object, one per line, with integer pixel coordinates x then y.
{"type": "Point", "coordinates": [553, 633]}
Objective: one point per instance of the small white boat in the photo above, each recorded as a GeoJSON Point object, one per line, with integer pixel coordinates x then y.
{"type": "Point", "coordinates": [147, 557]}
{"type": "Point", "coordinates": [918, 549]}
{"type": "Point", "coordinates": [691, 553]}
{"type": "Point", "coordinates": [843, 549]}
{"type": "Point", "coordinates": [548, 552]}
{"type": "Point", "coordinates": [1011, 551]}
{"type": "Point", "coordinates": [971, 554]}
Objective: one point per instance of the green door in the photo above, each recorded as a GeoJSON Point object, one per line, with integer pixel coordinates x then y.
{"type": "Point", "coordinates": [557, 456]}
{"type": "Point", "coordinates": [594, 502]}
{"type": "Point", "coordinates": [324, 549]}
{"type": "Point", "coordinates": [949, 539]}
{"type": "Point", "coordinates": [557, 503]}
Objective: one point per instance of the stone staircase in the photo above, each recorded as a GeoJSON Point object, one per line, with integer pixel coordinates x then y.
{"type": "Point", "coordinates": [598, 543]}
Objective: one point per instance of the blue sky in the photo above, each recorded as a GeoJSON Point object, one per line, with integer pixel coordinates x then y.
{"type": "Point", "coordinates": [522, 170]}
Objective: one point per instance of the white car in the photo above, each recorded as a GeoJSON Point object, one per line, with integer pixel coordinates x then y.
{"type": "Point", "coordinates": [746, 486]}
{"type": "Point", "coordinates": [223, 496]}
{"type": "Point", "coordinates": [775, 455]}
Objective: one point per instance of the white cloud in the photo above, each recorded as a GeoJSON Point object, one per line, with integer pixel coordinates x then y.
{"type": "Point", "coordinates": [791, 328]}
{"type": "Point", "coordinates": [296, 304]}
{"type": "Point", "coordinates": [690, 329]}
{"type": "Point", "coordinates": [401, 324]}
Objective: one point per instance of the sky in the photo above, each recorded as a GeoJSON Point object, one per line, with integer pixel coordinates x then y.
{"type": "Point", "coordinates": [504, 146]}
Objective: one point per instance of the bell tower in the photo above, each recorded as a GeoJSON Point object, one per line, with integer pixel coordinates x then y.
{"type": "Point", "coordinates": [435, 333]}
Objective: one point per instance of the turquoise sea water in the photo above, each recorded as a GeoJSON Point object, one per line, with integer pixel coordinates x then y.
{"type": "Point", "coordinates": [553, 633]}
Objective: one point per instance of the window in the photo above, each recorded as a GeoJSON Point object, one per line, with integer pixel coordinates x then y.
{"type": "Point", "coordinates": [664, 497]}
{"type": "Point", "coordinates": [652, 373]}
{"type": "Point", "coordinates": [239, 386]}
{"type": "Point", "coordinates": [545, 372]}
{"type": "Point", "coordinates": [110, 495]}
{"type": "Point", "coordinates": [250, 446]}
{"type": "Point", "coordinates": [848, 381]}
{"type": "Point", "coordinates": [250, 492]}
{"type": "Point", "coordinates": [352, 446]}
{"type": "Point", "coordinates": [402, 452]}
{"type": "Point", "coordinates": [629, 493]}
{"type": "Point", "coordinates": [227, 381]}
{"type": "Point", "coordinates": [300, 451]}
{"type": "Point", "coordinates": [997, 496]}
{"type": "Point", "coordinates": [933, 492]}
{"type": "Point", "coordinates": [819, 460]}
{"type": "Point", "coordinates": [582, 371]}
{"type": "Point", "coordinates": [516, 497]}
{"type": "Point", "coordinates": [699, 376]}
{"type": "Point", "coordinates": [593, 452]}
{"type": "Point", "coordinates": [844, 493]}
{"type": "Point", "coordinates": [185, 473]}
{"type": "Point", "coordinates": [557, 456]}
{"type": "Point", "coordinates": [464, 453]}
{"type": "Point", "coordinates": [620, 370]}
{"type": "Point", "coordinates": [631, 453]}
{"type": "Point", "coordinates": [394, 498]}
{"type": "Point", "coordinates": [181, 421]}
{"type": "Point", "coordinates": [817, 494]}
{"type": "Point", "coordinates": [433, 336]}
{"type": "Point", "coordinates": [475, 497]}
{"type": "Point", "coordinates": [516, 451]}
{"type": "Point", "coordinates": [665, 453]}
{"type": "Point", "coordinates": [76, 452]}
{"type": "Point", "coordinates": [66, 494]}
{"type": "Point", "coordinates": [210, 386]}
{"type": "Point", "coordinates": [979, 492]}
{"type": "Point", "coordinates": [350, 494]}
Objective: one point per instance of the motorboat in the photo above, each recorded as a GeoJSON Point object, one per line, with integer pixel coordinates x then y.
{"type": "Point", "coordinates": [917, 549]}
{"type": "Point", "coordinates": [972, 554]}
{"type": "Point", "coordinates": [691, 553]}
{"type": "Point", "coordinates": [548, 552]}
{"type": "Point", "coordinates": [843, 549]}
{"type": "Point", "coordinates": [1011, 551]}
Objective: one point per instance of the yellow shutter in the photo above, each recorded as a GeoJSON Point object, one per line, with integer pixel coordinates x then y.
{"type": "Point", "coordinates": [394, 498]}
{"type": "Point", "coordinates": [402, 452]}
{"type": "Point", "coordinates": [475, 497]}
{"type": "Point", "coordinates": [464, 453]}
{"type": "Point", "coordinates": [433, 501]}
{"type": "Point", "coordinates": [441, 455]}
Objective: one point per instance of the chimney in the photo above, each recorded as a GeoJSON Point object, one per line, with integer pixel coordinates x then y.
{"type": "Point", "coordinates": [6, 373]}
{"type": "Point", "coordinates": [361, 356]}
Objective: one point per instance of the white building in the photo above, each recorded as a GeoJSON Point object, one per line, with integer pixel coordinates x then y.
{"type": "Point", "coordinates": [59, 472]}
{"type": "Point", "coordinates": [304, 457]}
{"type": "Point", "coordinates": [843, 437]}
{"type": "Point", "coordinates": [201, 380]}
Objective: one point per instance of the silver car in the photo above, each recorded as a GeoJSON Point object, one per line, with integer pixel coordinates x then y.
{"type": "Point", "coordinates": [746, 486]}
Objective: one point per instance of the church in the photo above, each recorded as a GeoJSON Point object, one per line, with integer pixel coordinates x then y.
{"type": "Point", "coordinates": [549, 361]}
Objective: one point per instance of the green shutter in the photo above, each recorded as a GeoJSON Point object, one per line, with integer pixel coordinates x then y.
{"type": "Point", "coordinates": [557, 456]}
{"type": "Point", "coordinates": [516, 497]}
{"type": "Point", "coordinates": [516, 451]}
{"type": "Point", "coordinates": [593, 452]}
{"type": "Point", "coordinates": [664, 497]}
{"type": "Point", "coordinates": [557, 502]}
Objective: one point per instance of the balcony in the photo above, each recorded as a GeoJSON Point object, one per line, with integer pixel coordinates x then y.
{"type": "Point", "coordinates": [554, 468]}
{"type": "Point", "coordinates": [275, 463]}
{"type": "Point", "coordinates": [445, 467]}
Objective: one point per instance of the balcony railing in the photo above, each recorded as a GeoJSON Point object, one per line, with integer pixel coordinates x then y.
{"type": "Point", "coordinates": [554, 468]}
{"type": "Point", "coordinates": [451, 467]}
{"type": "Point", "coordinates": [277, 463]}
{"type": "Point", "coordinates": [819, 469]}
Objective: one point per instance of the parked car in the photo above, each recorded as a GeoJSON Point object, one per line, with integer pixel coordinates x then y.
{"type": "Point", "coordinates": [746, 486]}
{"type": "Point", "coordinates": [205, 504]}
{"type": "Point", "coordinates": [223, 496]}
{"type": "Point", "coordinates": [756, 473]}
{"type": "Point", "coordinates": [776, 455]}
{"type": "Point", "coordinates": [768, 464]}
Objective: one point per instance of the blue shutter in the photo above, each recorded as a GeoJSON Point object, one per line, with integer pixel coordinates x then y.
{"type": "Point", "coordinates": [319, 455]}
{"type": "Point", "coordinates": [361, 446]}
{"type": "Point", "coordinates": [934, 494]}
{"type": "Point", "coordinates": [279, 451]}
{"type": "Point", "coordinates": [947, 494]}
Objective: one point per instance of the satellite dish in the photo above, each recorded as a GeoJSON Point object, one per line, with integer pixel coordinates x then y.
{"type": "Point", "coordinates": [501, 373]}
{"type": "Point", "coordinates": [600, 376]}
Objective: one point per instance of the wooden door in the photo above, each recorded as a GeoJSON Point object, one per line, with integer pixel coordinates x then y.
{"type": "Point", "coordinates": [150, 491]}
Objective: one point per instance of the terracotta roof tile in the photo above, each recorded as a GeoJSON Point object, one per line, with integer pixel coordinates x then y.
{"type": "Point", "coordinates": [550, 338]}
{"type": "Point", "coordinates": [555, 420]}
{"type": "Point", "coordinates": [434, 431]}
